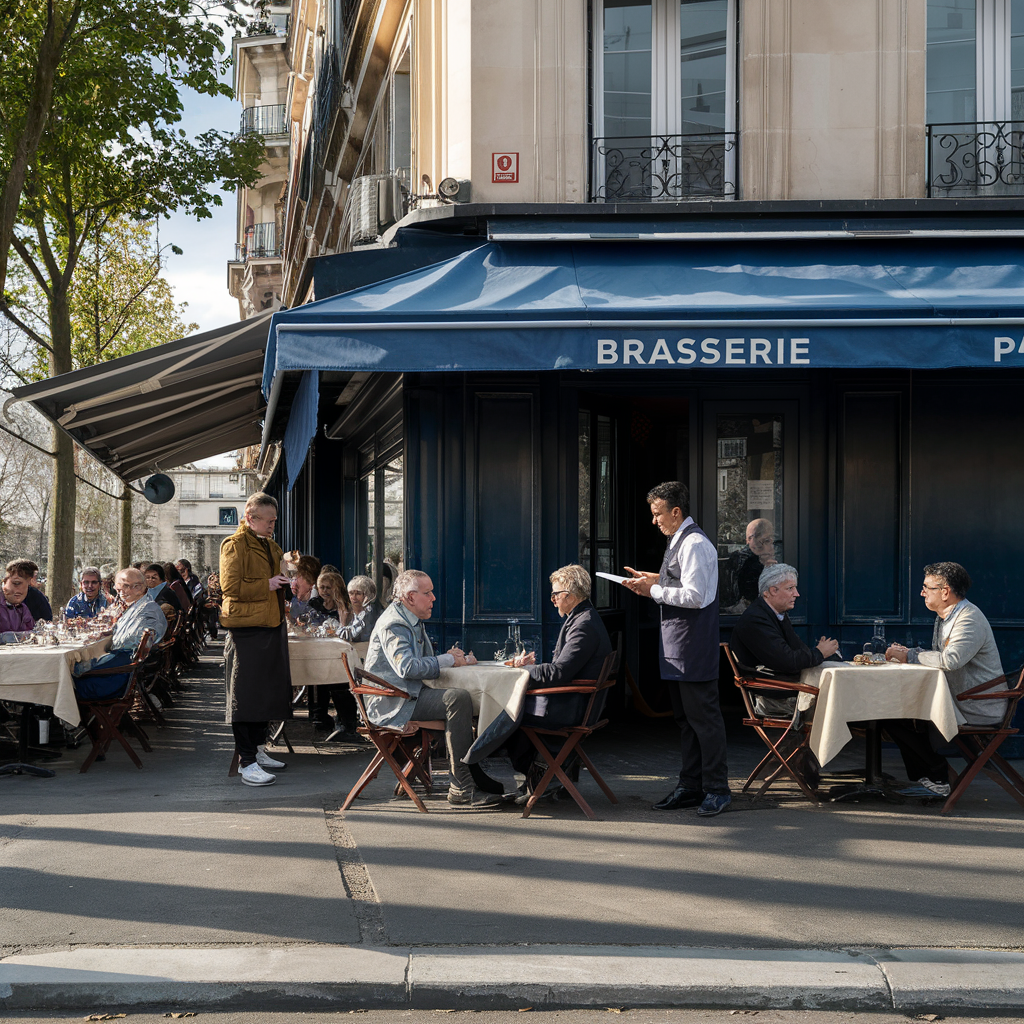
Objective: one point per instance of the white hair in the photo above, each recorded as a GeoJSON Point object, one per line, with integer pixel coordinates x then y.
{"type": "Point", "coordinates": [406, 583]}
{"type": "Point", "coordinates": [774, 575]}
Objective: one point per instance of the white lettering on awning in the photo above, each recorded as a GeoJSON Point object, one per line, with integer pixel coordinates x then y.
{"type": "Point", "coordinates": [730, 351]}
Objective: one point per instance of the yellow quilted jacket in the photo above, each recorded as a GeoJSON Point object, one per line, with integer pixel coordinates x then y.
{"type": "Point", "coordinates": [244, 576]}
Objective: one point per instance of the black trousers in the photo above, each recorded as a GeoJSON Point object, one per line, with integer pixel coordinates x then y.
{"type": "Point", "coordinates": [914, 738]}
{"type": "Point", "coordinates": [248, 736]}
{"type": "Point", "coordinates": [344, 704]}
{"type": "Point", "coordinates": [702, 735]}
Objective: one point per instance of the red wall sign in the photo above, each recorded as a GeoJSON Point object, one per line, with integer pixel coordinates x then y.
{"type": "Point", "coordinates": [504, 167]}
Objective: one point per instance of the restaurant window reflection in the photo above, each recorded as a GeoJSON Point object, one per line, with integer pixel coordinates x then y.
{"type": "Point", "coordinates": [381, 516]}
{"type": "Point", "coordinates": [749, 504]}
{"type": "Point", "coordinates": [596, 502]}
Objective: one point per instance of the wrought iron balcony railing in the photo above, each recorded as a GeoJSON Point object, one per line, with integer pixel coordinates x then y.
{"type": "Point", "coordinates": [265, 120]}
{"type": "Point", "coordinates": [261, 242]}
{"type": "Point", "coordinates": [664, 168]}
{"type": "Point", "coordinates": [969, 159]}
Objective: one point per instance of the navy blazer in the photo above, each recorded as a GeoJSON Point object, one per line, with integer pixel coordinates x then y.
{"type": "Point", "coordinates": [580, 651]}
{"type": "Point", "coordinates": [762, 638]}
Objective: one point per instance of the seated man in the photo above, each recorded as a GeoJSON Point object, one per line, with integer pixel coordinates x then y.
{"type": "Point", "coordinates": [965, 649]}
{"type": "Point", "coordinates": [35, 599]}
{"type": "Point", "coordinates": [400, 652]}
{"type": "Point", "coordinates": [141, 613]}
{"type": "Point", "coordinates": [91, 601]}
{"type": "Point", "coordinates": [192, 582]}
{"type": "Point", "coordinates": [579, 653]}
{"type": "Point", "coordinates": [745, 566]}
{"type": "Point", "coordinates": [15, 616]}
{"type": "Point", "coordinates": [764, 638]}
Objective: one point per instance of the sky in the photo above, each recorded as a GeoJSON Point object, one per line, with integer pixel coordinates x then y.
{"type": "Point", "coordinates": [199, 276]}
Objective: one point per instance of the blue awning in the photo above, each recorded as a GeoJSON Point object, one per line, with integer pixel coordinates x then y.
{"type": "Point", "coordinates": [674, 306]}
{"type": "Point", "coordinates": [591, 306]}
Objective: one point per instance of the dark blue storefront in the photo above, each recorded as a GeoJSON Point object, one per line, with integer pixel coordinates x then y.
{"type": "Point", "coordinates": [498, 413]}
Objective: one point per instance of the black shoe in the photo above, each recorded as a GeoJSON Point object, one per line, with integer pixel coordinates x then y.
{"type": "Point", "coordinates": [472, 798]}
{"type": "Point", "coordinates": [680, 797]}
{"type": "Point", "coordinates": [484, 782]}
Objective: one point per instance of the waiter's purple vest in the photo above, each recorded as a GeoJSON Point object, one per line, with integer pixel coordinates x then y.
{"type": "Point", "coordinates": [688, 643]}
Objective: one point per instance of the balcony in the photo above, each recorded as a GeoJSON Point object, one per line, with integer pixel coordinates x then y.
{"type": "Point", "coordinates": [969, 159]}
{"type": "Point", "coordinates": [664, 168]}
{"type": "Point", "coordinates": [264, 120]}
{"type": "Point", "coordinates": [261, 242]}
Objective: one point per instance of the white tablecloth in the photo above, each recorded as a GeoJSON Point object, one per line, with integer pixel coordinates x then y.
{"type": "Point", "coordinates": [862, 693]}
{"type": "Point", "coordinates": [493, 687]}
{"type": "Point", "coordinates": [317, 662]}
{"type": "Point", "coordinates": [42, 675]}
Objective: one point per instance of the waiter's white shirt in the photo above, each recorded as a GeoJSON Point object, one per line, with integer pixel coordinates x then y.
{"type": "Point", "coordinates": [698, 571]}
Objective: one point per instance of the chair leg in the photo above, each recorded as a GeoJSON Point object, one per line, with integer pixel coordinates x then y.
{"type": "Point", "coordinates": [236, 760]}
{"type": "Point", "coordinates": [978, 759]}
{"type": "Point", "coordinates": [389, 757]}
{"type": "Point", "coordinates": [554, 769]}
{"type": "Point", "coordinates": [364, 780]}
{"type": "Point", "coordinates": [594, 774]}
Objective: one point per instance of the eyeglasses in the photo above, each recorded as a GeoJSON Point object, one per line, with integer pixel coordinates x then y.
{"type": "Point", "coordinates": [924, 586]}
{"type": "Point", "coordinates": [557, 593]}
{"type": "Point", "coordinates": [90, 583]}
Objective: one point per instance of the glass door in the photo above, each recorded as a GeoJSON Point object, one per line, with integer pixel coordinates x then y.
{"type": "Point", "coordinates": [750, 493]}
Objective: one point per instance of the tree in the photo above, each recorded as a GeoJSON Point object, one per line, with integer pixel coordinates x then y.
{"type": "Point", "coordinates": [110, 151]}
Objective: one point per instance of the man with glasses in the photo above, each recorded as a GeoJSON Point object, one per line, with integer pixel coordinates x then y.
{"type": "Point", "coordinates": [965, 649]}
{"type": "Point", "coordinates": [91, 601]}
{"type": "Point", "coordinates": [141, 613]}
{"type": "Point", "coordinates": [401, 652]}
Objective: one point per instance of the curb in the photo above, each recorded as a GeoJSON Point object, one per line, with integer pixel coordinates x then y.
{"type": "Point", "coordinates": [541, 977]}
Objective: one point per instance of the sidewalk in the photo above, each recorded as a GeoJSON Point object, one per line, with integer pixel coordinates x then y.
{"type": "Point", "coordinates": [127, 887]}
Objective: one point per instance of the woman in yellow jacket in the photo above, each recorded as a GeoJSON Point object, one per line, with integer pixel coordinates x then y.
{"type": "Point", "coordinates": [256, 671]}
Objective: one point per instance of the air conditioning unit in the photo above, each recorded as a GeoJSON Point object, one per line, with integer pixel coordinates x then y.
{"type": "Point", "coordinates": [376, 201]}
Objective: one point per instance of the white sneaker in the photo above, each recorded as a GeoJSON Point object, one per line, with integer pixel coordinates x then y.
{"type": "Point", "coordinates": [938, 788]}
{"type": "Point", "coordinates": [264, 760]}
{"type": "Point", "coordinates": [254, 775]}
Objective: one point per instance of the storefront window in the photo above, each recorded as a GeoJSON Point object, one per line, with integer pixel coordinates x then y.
{"type": "Point", "coordinates": [749, 504]}
{"type": "Point", "coordinates": [382, 517]}
{"type": "Point", "coordinates": [596, 501]}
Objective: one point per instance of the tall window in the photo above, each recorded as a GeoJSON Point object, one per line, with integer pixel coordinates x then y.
{"type": "Point", "coordinates": [597, 502]}
{"type": "Point", "coordinates": [381, 550]}
{"type": "Point", "coordinates": [664, 91]}
{"type": "Point", "coordinates": [975, 87]}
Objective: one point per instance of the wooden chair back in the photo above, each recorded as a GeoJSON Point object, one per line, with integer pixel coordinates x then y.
{"type": "Point", "coordinates": [105, 718]}
{"type": "Point", "coordinates": [573, 736]}
{"type": "Point", "coordinates": [409, 744]}
{"type": "Point", "coordinates": [774, 730]}
{"type": "Point", "coordinates": [980, 743]}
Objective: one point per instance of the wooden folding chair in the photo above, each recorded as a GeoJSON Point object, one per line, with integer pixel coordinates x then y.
{"type": "Point", "coordinates": [572, 737]}
{"type": "Point", "coordinates": [774, 730]}
{"type": "Point", "coordinates": [980, 744]}
{"type": "Point", "coordinates": [106, 718]}
{"type": "Point", "coordinates": [411, 743]}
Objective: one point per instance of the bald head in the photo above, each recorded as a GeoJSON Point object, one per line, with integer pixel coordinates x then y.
{"type": "Point", "coordinates": [760, 535]}
{"type": "Point", "coordinates": [130, 584]}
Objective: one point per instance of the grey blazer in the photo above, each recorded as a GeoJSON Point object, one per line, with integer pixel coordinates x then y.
{"type": "Point", "coordinates": [969, 657]}
{"type": "Point", "coordinates": [400, 652]}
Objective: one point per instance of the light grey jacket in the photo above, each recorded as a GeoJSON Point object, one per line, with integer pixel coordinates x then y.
{"type": "Point", "coordinates": [969, 657]}
{"type": "Point", "coordinates": [400, 652]}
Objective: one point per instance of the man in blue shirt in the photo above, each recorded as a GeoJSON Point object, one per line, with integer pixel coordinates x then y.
{"type": "Point", "coordinates": [141, 614]}
{"type": "Point", "coordinates": [91, 601]}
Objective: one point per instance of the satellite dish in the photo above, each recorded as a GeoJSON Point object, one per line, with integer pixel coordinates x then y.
{"type": "Point", "coordinates": [159, 489]}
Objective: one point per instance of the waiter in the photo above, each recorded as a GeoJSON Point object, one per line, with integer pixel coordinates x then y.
{"type": "Point", "coordinates": [686, 588]}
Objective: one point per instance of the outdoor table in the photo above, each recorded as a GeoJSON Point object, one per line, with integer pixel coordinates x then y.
{"type": "Point", "coordinates": [493, 687]}
{"type": "Point", "coordinates": [316, 661]}
{"type": "Point", "coordinates": [31, 674]}
{"type": "Point", "coordinates": [870, 694]}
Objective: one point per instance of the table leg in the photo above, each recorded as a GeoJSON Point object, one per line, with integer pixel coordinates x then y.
{"type": "Point", "coordinates": [875, 785]}
{"type": "Point", "coordinates": [21, 766]}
